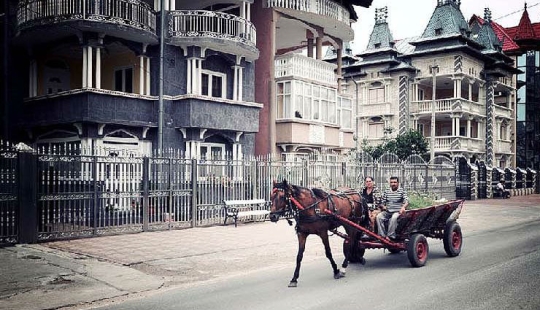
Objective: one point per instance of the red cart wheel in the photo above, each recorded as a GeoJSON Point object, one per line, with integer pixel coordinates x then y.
{"type": "Point", "coordinates": [417, 250]}
{"type": "Point", "coordinates": [452, 239]}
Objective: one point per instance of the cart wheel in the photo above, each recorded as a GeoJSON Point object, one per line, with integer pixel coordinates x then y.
{"type": "Point", "coordinates": [452, 239]}
{"type": "Point", "coordinates": [417, 250]}
{"type": "Point", "coordinates": [356, 256]}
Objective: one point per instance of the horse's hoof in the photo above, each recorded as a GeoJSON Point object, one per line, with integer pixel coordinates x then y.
{"type": "Point", "coordinates": [339, 275]}
{"type": "Point", "coordinates": [363, 261]}
{"type": "Point", "coordinates": [293, 284]}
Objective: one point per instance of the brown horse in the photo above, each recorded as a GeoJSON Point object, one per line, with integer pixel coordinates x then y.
{"type": "Point", "coordinates": [313, 211]}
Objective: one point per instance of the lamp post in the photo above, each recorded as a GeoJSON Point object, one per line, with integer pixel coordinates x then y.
{"type": "Point", "coordinates": [161, 76]}
{"type": "Point", "coordinates": [434, 70]}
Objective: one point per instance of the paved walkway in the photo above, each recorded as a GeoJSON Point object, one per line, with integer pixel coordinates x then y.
{"type": "Point", "coordinates": [72, 274]}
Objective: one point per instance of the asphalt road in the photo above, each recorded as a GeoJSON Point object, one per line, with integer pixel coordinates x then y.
{"type": "Point", "coordinates": [497, 269]}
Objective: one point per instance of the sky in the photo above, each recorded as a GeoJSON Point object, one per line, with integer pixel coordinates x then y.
{"type": "Point", "coordinates": [408, 18]}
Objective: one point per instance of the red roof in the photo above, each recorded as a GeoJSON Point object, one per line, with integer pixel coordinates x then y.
{"type": "Point", "coordinates": [525, 28]}
{"type": "Point", "coordinates": [503, 34]}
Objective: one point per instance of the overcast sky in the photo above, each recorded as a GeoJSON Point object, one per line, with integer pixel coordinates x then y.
{"type": "Point", "coordinates": [408, 18]}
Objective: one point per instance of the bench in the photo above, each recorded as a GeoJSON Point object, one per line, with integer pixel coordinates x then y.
{"type": "Point", "coordinates": [245, 208]}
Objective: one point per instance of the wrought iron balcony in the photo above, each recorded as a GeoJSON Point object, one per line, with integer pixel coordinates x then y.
{"type": "Point", "coordinates": [216, 30]}
{"type": "Point", "coordinates": [300, 66]}
{"type": "Point", "coordinates": [135, 14]}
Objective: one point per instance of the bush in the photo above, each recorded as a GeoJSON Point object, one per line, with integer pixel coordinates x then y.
{"type": "Point", "coordinates": [419, 200]}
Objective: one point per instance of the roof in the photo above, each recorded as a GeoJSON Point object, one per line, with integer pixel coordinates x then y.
{"type": "Point", "coordinates": [525, 29]}
{"type": "Point", "coordinates": [446, 19]}
{"type": "Point", "coordinates": [502, 33]}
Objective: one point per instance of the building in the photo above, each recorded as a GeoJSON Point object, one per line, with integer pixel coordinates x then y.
{"type": "Point", "coordinates": [304, 111]}
{"type": "Point", "coordinates": [92, 75]}
{"type": "Point", "coordinates": [453, 83]}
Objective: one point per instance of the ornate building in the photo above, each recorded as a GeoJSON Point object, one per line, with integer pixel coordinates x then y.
{"type": "Point", "coordinates": [88, 74]}
{"type": "Point", "coordinates": [304, 111]}
{"type": "Point", "coordinates": [453, 83]}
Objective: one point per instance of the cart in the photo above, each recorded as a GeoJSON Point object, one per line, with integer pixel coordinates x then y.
{"type": "Point", "coordinates": [414, 227]}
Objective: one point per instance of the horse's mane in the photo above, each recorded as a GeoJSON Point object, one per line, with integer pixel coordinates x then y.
{"type": "Point", "coordinates": [319, 193]}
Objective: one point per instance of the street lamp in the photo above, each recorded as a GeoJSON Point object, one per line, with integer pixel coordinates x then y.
{"type": "Point", "coordinates": [434, 69]}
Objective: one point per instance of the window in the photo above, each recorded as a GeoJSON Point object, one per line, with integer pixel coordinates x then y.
{"type": "Point", "coordinates": [345, 113]}
{"type": "Point", "coordinates": [376, 128]}
{"type": "Point", "coordinates": [420, 128]}
{"type": "Point", "coordinates": [284, 99]}
{"type": "Point", "coordinates": [438, 31]}
{"type": "Point", "coordinates": [213, 84]}
{"type": "Point", "coordinates": [420, 94]}
{"type": "Point", "coordinates": [376, 95]}
{"type": "Point", "coordinates": [123, 80]}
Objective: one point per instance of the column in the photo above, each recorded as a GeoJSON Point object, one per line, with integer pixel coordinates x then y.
{"type": "Point", "coordinates": [453, 118]}
{"type": "Point", "coordinates": [98, 67]}
{"type": "Point", "coordinates": [32, 80]}
{"type": "Point", "coordinates": [141, 75]}
{"type": "Point", "coordinates": [235, 83]}
{"type": "Point", "coordinates": [490, 101]}
{"type": "Point", "coordinates": [85, 68]}
{"type": "Point", "coordinates": [469, 119]}
{"type": "Point", "coordinates": [147, 71]}
{"type": "Point", "coordinates": [189, 79]}
{"type": "Point", "coordinates": [89, 71]}
{"type": "Point", "coordinates": [319, 42]}
{"type": "Point", "coordinates": [310, 47]}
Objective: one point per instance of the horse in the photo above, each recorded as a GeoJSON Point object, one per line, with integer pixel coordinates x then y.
{"type": "Point", "coordinates": [309, 208]}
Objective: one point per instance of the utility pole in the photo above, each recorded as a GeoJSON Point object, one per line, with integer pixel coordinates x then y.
{"type": "Point", "coordinates": [434, 69]}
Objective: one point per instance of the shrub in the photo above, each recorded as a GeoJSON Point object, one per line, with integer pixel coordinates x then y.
{"type": "Point", "coordinates": [419, 200]}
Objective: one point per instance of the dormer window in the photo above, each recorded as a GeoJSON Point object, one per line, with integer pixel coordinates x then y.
{"type": "Point", "coordinates": [438, 31]}
{"type": "Point", "coordinates": [377, 45]}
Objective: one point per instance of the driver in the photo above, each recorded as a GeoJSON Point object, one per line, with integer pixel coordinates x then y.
{"type": "Point", "coordinates": [396, 202]}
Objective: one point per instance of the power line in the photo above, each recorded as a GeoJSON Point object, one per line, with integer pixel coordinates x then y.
{"type": "Point", "coordinates": [518, 11]}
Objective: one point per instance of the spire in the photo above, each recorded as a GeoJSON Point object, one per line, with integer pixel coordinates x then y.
{"type": "Point", "coordinates": [486, 34]}
{"type": "Point", "coordinates": [447, 19]}
{"type": "Point", "coordinates": [525, 29]}
{"type": "Point", "coordinates": [381, 37]}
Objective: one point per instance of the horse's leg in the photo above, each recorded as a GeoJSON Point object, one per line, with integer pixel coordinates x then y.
{"type": "Point", "coordinates": [301, 247]}
{"type": "Point", "coordinates": [328, 251]}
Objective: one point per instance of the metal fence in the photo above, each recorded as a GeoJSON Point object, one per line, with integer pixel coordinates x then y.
{"type": "Point", "coordinates": [52, 194]}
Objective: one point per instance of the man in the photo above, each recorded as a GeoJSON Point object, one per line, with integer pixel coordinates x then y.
{"type": "Point", "coordinates": [395, 201]}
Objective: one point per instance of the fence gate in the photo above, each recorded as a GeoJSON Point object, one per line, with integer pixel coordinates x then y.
{"type": "Point", "coordinates": [482, 180]}
{"type": "Point", "coordinates": [463, 179]}
{"type": "Point", "coordinates": [8, 195]}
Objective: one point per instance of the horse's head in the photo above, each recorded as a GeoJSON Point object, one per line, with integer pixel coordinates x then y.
{"type": "Point", "coordinates": [280, 199]}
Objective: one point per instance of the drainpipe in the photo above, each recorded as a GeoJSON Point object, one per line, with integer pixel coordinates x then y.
{"type": "Point", "coordinates": [161, 53]}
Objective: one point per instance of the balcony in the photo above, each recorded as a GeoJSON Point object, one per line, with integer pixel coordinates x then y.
{"type": "Point", "coordinates": [503, 147]}
{"type": "Point", "coordinates": [218, 31]}
{"type": "Point", "coordinates": [303, 133]}
{"type": "Point", "coordinates": [450, 105]}
{"type": "Point", "coordinates": [444, 144]}
{"type": "Point", "coordinates": [296, 66]}
{"type": "Point", "coordinates": [329, 15]}
{"type": "Point", "coordinates": [378, 109]}
{"type": "Point", "coordinates": [503, 112]}
{"type": "Point", "coordinates": [324, 8]}
{"type": "Point", "coordinates": [90, 105]}
{"type": "Point", "coordinates": [133, 20]}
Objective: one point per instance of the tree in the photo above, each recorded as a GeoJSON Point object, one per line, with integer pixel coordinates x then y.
{"type": "Point", "coordinates": [404, 145]}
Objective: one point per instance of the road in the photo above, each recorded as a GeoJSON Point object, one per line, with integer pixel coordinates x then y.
{"type": "Point", "coordinates": [497, 269]}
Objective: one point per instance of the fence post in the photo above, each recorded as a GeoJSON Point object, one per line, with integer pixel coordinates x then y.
{"type": "Point", "coordinates": [253, 178]}
{"type": "Point", "coordinates": [96, 197]}
{"type": "Point", "coordinates": [145, 188]}
{"type": "Point", "coordinates": [27, 196]}
{"type": "Point", "coordinates": [194, 193]}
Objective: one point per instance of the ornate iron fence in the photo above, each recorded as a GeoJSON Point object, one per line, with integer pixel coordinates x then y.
{"type": "Point", "coordinates": [75, 193]}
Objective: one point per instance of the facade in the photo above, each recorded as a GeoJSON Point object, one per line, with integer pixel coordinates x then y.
{"type": "Point", "coordinates": [89, 75]}
{"type": "Point", "coordinates": [453, 83]}
{"type": "Point", "coordinates": [304, 112]}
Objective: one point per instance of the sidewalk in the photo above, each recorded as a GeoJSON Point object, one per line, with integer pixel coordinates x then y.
{"type": "Point", "coordinates": [72, 274]}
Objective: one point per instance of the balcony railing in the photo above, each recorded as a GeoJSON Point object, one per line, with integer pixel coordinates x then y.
{"type": "Point", "coordinates": [209, 24]}
{"type": "Point", "coordinates": [132, 13]}
{"type": "Point", "coordinates": [447, 106]}
{"type": "Point", "coordinates": [458, 143]}
{"type": "Point", "coordinates": [320, 7]}
{"type": "Point", "coordinates": [376, 109]}
{"type": "Point", "coordinates": [503, 112]}
{"type": "Point", "coordinates": [300, 66]}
